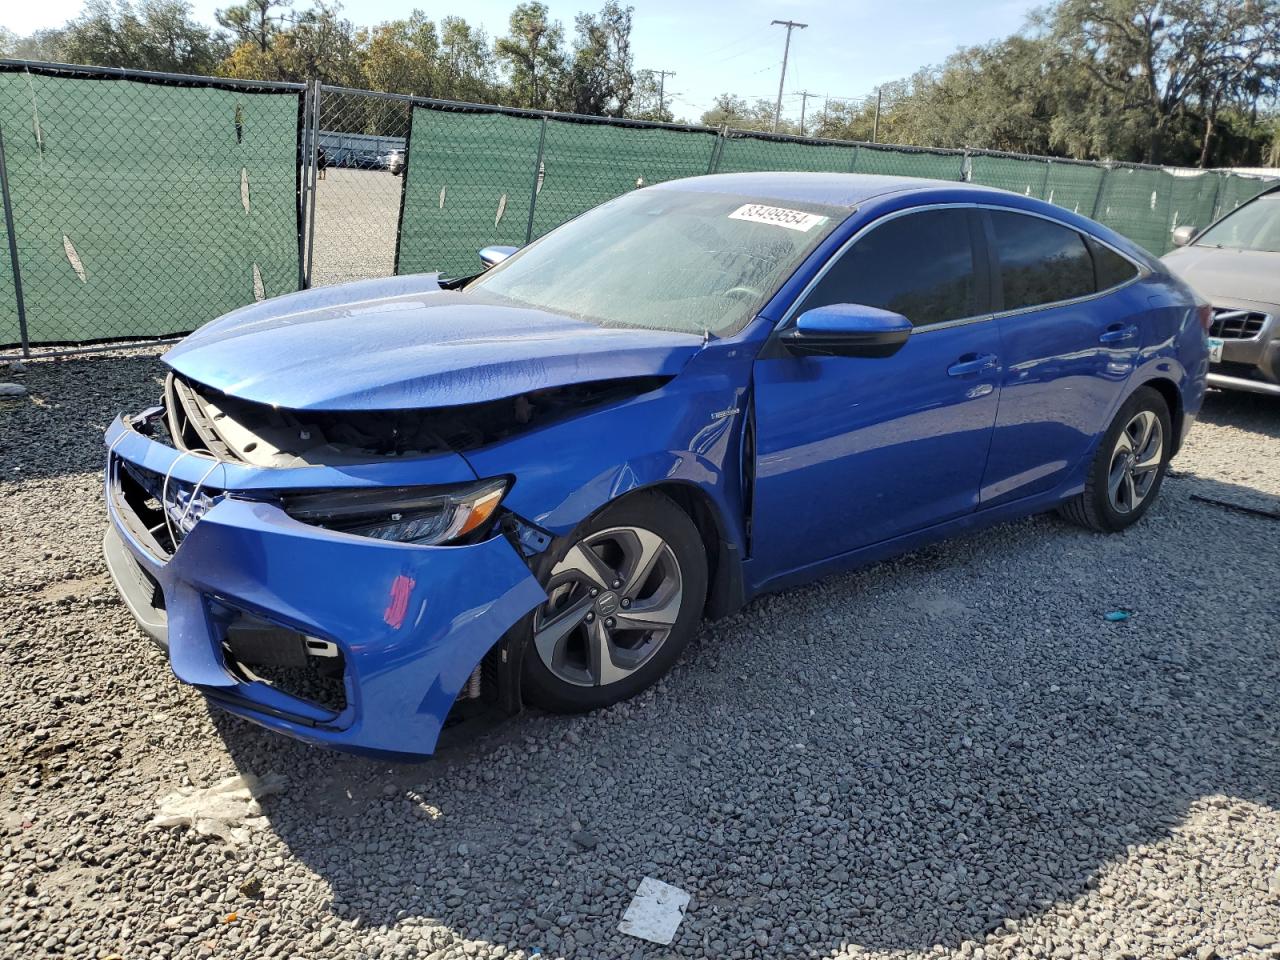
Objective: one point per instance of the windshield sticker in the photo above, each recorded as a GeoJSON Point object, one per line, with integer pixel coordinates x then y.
{"type": "Point", "coordinates": [778, 217]}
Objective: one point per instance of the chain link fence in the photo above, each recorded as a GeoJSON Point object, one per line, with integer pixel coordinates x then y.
{"type": "Point", "coordinates": [141, 205]}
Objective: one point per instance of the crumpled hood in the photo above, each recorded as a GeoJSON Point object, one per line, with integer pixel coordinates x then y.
{"type": "Point", "coordinates": [404, 343]}
{"type": "Point", "coordinates": [1228, 274]}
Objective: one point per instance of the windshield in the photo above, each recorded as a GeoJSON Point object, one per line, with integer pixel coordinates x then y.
{"type": "Point", "coordinates": [1255, 226]}
{"type": "Point", "coordinates": [677, 260]}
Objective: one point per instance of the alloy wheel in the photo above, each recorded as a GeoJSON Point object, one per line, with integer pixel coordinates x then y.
{"type": "Point", "coordinates": [1135, 462]}
{"type": "Point", "coordinates": [612, 602]}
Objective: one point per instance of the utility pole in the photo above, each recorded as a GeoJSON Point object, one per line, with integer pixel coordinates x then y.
{"type": "Point", "coordinates": [786, 52]}
{"type": "Point", "coordinates": [875, 124]}
{"type": "Point", "coordinates": [662, 86]}
{"type": "Point", "coordinates": [804, 102]}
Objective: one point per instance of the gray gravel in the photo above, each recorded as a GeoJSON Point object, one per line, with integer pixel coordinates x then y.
{"type": "Point", "coordinates": [357, 212]}
{"type": "Point", "coordinates": [952, 754]}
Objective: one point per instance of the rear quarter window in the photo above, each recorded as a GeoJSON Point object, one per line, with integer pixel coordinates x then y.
{"type": "Point", "coordinates": [1111, 269]}
{"type": "Point", "coordinates": [1041, 262]}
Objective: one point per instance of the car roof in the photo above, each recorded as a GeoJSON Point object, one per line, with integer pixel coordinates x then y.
{"type": "Point", "coordinates": [851, 190]}
{"type": "Point", "coordinates": [835, 189]}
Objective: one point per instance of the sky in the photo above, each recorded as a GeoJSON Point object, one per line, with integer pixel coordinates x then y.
{"type": "Point", "coordinates": [849, 47]}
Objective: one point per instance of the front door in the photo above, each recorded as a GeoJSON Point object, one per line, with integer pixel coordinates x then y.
{"type": "Point", "coordinates": [851, 451]}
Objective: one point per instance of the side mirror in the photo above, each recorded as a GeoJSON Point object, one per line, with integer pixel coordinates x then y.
{"type": "Point", "coordinates": [847, 330]}
{"type": "Point", "coordinates": [492, 256]}
{"type": "Point", "coordinates": [1183, 235]}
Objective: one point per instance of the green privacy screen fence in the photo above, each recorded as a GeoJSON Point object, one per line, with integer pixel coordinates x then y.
{"type": "Point", "coordinates": [479, 177]}
{"type": "Point", "coordinates": [484, 175]}
{"type": "Point", "coordinates": [140, 204]}
{"type": "Point", "coordinates": [143, 205]}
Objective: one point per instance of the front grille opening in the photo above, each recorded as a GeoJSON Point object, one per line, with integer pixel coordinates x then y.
{"type": "Point", "coordinates": [302, 667]}
{"type": "Point", "coordinates": [144, 515]}
{"type": "Point", "coordinates": [1236, 324]}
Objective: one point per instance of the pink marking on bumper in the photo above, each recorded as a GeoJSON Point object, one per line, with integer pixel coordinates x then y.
{"type": "Point", "coordinates": [401, 588]}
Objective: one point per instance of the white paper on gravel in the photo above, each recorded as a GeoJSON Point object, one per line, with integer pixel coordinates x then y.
{"type": "Point", "coordinates": [655, 912]}
{"type": "Point", "coordinates": [228, 809]}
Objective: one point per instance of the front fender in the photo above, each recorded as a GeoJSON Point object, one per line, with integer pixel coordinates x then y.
{"type": "Point", "coordinates": [688, 431]}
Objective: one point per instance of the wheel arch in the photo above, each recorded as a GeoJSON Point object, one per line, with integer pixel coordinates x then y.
{"type": "Point", "coordinates": [1173, 400]}
{"type": "Point", "coordinates": [725, 589]}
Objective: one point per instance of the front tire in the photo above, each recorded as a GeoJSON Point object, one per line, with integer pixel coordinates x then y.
{"type": "Point", "coordinates": [1128, 468]}
{"type": "Point", "coordinates": [625, 595]}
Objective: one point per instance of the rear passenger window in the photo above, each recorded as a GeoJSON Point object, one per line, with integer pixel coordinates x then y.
{"type": "Point", "coordinates": [919, 265]}
{"type": "Point", "coordinates": [1111, 268]}
{"type": "Point", "coordinates": [1040, 261]}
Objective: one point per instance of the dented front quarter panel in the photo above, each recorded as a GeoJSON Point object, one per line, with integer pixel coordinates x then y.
{"type": "Point", "coordinates": [688, 431]}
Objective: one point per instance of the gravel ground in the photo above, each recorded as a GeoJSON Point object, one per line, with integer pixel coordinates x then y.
{"type": "Point", "coordinates": [356, 216]}
{"type": "Point", "coordinates": [952, 754]}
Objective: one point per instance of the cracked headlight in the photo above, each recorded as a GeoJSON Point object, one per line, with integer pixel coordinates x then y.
{"type": "Point", "coordinates": [423, 515]}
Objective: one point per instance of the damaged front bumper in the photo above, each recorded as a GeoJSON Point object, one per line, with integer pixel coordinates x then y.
{"type": "Point", "coordinates": [397, 628]}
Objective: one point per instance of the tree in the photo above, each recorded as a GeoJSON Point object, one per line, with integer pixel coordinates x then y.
{"type": "Point", "coordinates": [255, 21]}
{"type": "Point", "coordinates": [1161, 59]}
{"type": "Point", "coordinates": [400, 56]}
{"type": "Point", "coordinates": [466, 69]}
{"type": "Point", "coordinates": [158, 35]}
{"type": "Point", "coordinates": [729, 110]}
{"type": "Point", "coordinates": [533, 55]}
{"type": "Point", "coordinates": [315, 45]}
{"type": "Point", "coordinates": [41, 45]}
{"type": "Point", "coordinates": [601, 81]}
{"type": "Point", "coordinates": [645, 101]}
{"type": "Point", "coordinates": [998, 96]}
{"type": "Point", "coordinates": [320, 45]}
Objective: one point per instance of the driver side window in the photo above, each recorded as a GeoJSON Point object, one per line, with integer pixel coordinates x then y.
{"type": "Point", "coordinates": [920, 265]}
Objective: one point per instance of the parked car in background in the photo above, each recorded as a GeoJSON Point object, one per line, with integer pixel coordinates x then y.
{"type": "Point", "coordinates": [533, 484]}
{"type": "Point", "coordinates": [394, 161]}
{"type": "Point", "coordinates": [1235, 263]}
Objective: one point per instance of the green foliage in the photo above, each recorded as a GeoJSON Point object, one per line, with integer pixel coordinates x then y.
{"type": "Point", "coordinates": [158, 33]}
{"type": "Point", "coordinates": [1172, 81]}
{"type": "Point", "coordinates": [601, 79]}
{"type": "Point", "coordinates": [729, 110]}
{"type": "Point", "coordinates": [533, 54]}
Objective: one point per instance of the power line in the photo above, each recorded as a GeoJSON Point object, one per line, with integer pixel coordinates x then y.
{"type": "Point", "coordinates": [786, 52]}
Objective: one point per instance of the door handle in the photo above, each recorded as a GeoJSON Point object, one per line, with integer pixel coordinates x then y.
{"type": "Point", "coordinates": [970, 364]}
{"type": "Point", "coordinates": [1118, 334]}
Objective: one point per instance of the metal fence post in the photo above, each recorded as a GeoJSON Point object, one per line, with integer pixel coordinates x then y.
{"type": "Point", "coordinates": [1102, 188]}
{"type": "Point", "coordinates": [966, 167]}
{"type": "Point", "coordinates": [537, 172]}
{"type": "Point", "coordinates": [312, 167]}
{"type": "Point", "coordinates": [1218, 178]}
{"type": "Point", "coordinates": [713, 165]}
{"type": "Point", "coordinates": [13, 251]}
{"type": "Point", "coordinates": [1044, 185]}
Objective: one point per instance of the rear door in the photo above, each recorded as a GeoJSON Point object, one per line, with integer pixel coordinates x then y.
{"type": "Point", "coordinates": [855, 450]}
{"type": "Point", "coordinates": [1068, 349]}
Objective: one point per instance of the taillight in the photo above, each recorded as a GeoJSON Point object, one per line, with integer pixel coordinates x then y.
{"type": "Point", "coordinates": [1206, 316]}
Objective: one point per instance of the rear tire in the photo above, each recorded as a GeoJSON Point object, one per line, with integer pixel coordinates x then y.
{"type": "Point", "coordinates": [1128, 468]}
{"type": "Point", "coordinates": [625, 595]}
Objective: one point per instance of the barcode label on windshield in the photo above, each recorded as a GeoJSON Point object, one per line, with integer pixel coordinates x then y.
{"type": "Point", "coordinates": [778, 216]}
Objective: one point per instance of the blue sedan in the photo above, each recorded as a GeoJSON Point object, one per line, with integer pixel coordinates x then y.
{"type": "Point", "coordinates": [358, 511]}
